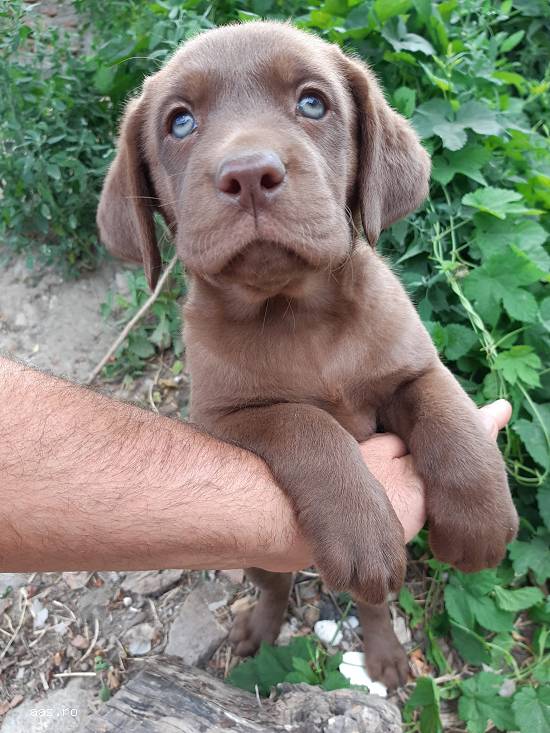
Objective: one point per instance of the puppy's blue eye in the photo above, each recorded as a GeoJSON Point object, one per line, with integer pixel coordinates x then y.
{"type": "Point", "coordinates": [183, 124]}
{"type": "Point", "coordinates": [312, 106]}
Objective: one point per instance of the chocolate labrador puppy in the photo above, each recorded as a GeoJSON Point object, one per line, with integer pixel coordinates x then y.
{"type": "Point", "coordinates": [265, 149]}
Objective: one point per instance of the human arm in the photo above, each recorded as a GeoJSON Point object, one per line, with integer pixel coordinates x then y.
{"type": "Point", "coordinates": [87, 482]}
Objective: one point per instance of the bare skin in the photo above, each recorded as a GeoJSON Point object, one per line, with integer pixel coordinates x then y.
{"type": "Point", "coordinates": [91, 483]}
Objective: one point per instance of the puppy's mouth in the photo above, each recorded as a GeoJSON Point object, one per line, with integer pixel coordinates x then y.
{"type": "Point", "coordinates": [266, 267]}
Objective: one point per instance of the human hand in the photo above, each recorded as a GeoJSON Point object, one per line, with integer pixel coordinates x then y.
{"type": "Point", "coordinates": [389, 460]}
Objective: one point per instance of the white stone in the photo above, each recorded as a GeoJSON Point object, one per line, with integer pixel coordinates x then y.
{"type": "Point", "coordinates": [328, 632]}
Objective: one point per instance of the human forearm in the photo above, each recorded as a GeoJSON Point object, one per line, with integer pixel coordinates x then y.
{"type": "Point", "coordinates": [88, 482]}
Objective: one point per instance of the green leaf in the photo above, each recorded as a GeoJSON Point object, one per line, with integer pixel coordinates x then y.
{"type": "Point", "coordinates": [104, 693]}
{"type": "Point", "coordinates": [532, 435]}
{"type": "Point", "coordinates": [493, 235]}
{"type": "Point", "coordinates": [386, 9]}
{"type": "Point", "coordinates": [404, 100]}
{"type": "Point", "coordinates": [245, 676]}
{"type": "Point", "coordinates": [272, 665]}
{"type": "Point", "coordinates": [53, 171]}
{"type": "Point", "coordinates": [543, 500]}
{"type": "Point", "coordinates": [467, 602]}
{"type": "Point", "coordinates": [479, 118]}
{"type": "Point", "coordinates": [411, 607]}
{"type": "Point", "coordinates": [521, 305]}
{"type": "Point", "coordinates": [426, 697]}
{"type": "Point", "coordinates": [532, 709]}
{"type": "Point", "coordinates": [459, 340]}
{"type": "Point", "coordinates": [512, 41]}
{"type": "Point", "coordinates": [458, 606]}
{"type": "Point", "coordinates": [488, 615]}
{"type": "Point", "coordinates": [469, 162]}
{"type": "Point", "coordinates": [517, 600]}
{"type": "Point", "coordinates": [533, 555]}
{"type": "Point", "coordinates": [140, 346]}
{"type": "Point", "coordinates": [469, 646]}
{"type": "Point", "coordinates": [451, 134]}
{"type": "Point", "coordinates": [430, 114]}
{"type": "Point", "coordinates": [335, 680]}
{"type": "Point", "coordinates": [481, 702]}
{"type": "Point", "coordinates": [304, 669]}
{"type": "Point", "coordinates": [519, 363]}
{"type": "Point", "coordinates": [498, 202]}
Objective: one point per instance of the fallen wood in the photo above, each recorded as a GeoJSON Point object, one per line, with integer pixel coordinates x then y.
{"type": "Point", "coordinates": [165, 696]}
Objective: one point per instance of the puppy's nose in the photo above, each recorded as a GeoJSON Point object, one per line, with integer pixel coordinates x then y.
{"type": "Point", "coordinates": [251, 178]}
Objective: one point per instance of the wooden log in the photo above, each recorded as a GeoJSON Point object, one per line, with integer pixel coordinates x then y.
{"type": "Point", "coordinates": [165, 696]}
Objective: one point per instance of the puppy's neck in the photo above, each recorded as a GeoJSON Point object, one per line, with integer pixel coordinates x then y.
{"type": "Point", "coordinates": [320, 293]}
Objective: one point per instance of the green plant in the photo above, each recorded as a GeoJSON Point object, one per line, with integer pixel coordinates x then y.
{"type": "Point", "coordinates": [303, 660]}
{"type": "Point", "coordinates": [160, 328]}
{"type": "Point", "coordinates": [54, 143]}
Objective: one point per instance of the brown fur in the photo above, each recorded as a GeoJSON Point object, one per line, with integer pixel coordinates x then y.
{"type": "Point", "coordinates": [299, 337]}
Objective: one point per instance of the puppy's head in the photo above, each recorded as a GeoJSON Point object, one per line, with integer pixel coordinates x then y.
{"type": "Point", "coordinates": [262, 147]}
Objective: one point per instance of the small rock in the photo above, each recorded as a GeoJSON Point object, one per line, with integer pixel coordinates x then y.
{"type": "Point", "coordinates": [13, 581]}
{"type": "Point", "coordinates": [401, 629]}
{"type": "Point", "coordinates": [328, 632]}
{"type": "Point", "coordinates": [139, 639]}
{"type": "Point", "coordinates": [151, 582]}
{"type": "Point", "coordinates": [93, 603]}
{"type": "Point", "coordinates": [195, 633]}
{"type": "Point", "coordinates": [39, 613]}
{"type": "Point", "coordinates": [288, 632]}
{"type": "Point", "coordinates": [352, 622]}
{"type": "Point", "coordinates": [80, 642]}
{"type": "Point", "coordinates": [127, 601]}
{"type": "Point", "coordinates": [76, 580]}
{"type": "Point", "coordinates": [311, 615]}
{"type": "Point", "coordinates": [328, 611]}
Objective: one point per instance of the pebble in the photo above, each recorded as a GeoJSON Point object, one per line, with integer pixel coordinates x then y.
{"type": "Point", "coordinates": [195, 633]}
{"type": "Point", "coordinates": [138, 640]}
{"type": "Point", "coordinates": [151, 582]}
{"type": "Point", "coordinates": [328, 632]}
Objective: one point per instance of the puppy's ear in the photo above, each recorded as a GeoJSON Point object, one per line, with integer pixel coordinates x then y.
{"type": "Point", "coordinates": [393, 168]}
{"type": "Point", "coordinates": [125, 213]}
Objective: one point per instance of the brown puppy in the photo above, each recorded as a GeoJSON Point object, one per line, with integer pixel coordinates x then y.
{"type": "Point", "coordinates": [264, 148]}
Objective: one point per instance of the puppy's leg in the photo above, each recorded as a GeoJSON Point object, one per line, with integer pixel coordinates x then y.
{"type": "Point", "coordinates": [356, 537]}
{"type": "Point", "coordinates": [469, 507]}
{"type": "Point", "coordinates": [263, 621]}
{"type": "Point", "coordinates": [386, 659]}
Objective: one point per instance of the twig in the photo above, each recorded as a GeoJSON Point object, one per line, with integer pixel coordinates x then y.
{"type": "Point", "coordinates": [92, 644]}
{"type": "Point", "coordinates": [17, 630]}
{"type": "Point", "coordinates": [75, 674]}
{"type": "Point", "coordinates": [132, 322]}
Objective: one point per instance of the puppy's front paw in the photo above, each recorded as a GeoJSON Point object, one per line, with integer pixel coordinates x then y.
{"type": "Point", "coordinates": [471, 534]}
{"type": "Point", "coordinates": [364, 554]}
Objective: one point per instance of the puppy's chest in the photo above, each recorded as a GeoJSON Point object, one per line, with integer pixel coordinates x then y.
{"type": "Point", "coordinates": [330, 371]}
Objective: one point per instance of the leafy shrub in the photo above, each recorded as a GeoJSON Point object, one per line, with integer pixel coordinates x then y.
{"type": "Point", "coordinates": [473, 78]}
{"type": "Point", "coordinates": [54, 143]}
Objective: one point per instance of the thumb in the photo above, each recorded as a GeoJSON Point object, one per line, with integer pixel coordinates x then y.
{"type": "Point", "coordinates": [495, 416]}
